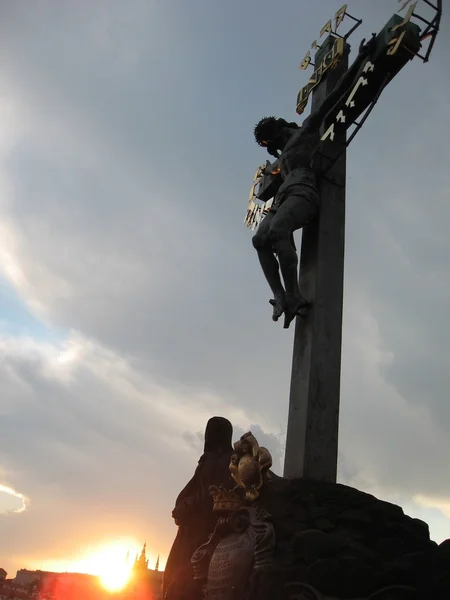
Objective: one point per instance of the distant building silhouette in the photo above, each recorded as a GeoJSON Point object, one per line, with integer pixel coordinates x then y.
{"type": "Point", "coordinates": [144, 584]}
{"type": "Point", "coordinates": [45, 585]}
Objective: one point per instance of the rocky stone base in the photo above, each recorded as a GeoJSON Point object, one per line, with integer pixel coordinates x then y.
{"type": "Point", "coordinates": [334, 542]}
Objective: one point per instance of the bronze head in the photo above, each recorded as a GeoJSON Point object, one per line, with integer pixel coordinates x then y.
{"type": "Point", "coordinates": [269, 133]}
{"type": "Point", "coordinates": [218, 435]}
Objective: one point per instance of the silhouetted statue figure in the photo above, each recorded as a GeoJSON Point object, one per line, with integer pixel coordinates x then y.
{"type": "Point", "coordinates": [193, 508]}
{"type": "Point", "coordinates": [297, 201]}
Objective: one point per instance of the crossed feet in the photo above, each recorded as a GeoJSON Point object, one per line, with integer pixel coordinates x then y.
{"type": "Point", "coordinates": [290, 305]}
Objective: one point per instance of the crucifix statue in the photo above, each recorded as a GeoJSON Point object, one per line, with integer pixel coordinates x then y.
{"type": "Point", "coordinates": [296, 202]}
{"type": "Point", "coordinates": [305, 188]}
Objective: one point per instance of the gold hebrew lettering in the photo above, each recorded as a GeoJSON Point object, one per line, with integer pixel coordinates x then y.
{"type": "Point", "coordinates": [326, 63]}
{"type": "Point", "coordinates": [407, 17]}
{"type": "Point", "coordinates": [328, 27]}
{"type": "Point", "coordinates": [322, 68]}
{"type": "Point", "coordinates": [339, 16]}
{"type": "Point", "coordinates": [338, 49]}
{"type": "Point", "coordinates": [302, 98]}
{"type": "Point", "coordinates": [312, 82]}
{"type": "Point", "coordinates": [395, 44]}
{"type": "Point", "coordinates": [303, 95]}
{"type": "Point", "coordinates": [405, 4]}
{"type": "Point", "coordinates": [306, 61]}
{"type": "Point", "coordinates": [337, 52]}
{"type": "Point", "coordinates": [301, 106]}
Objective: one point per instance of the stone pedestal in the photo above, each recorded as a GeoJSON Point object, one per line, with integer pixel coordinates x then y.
{"type": "Point", "coordinates": [313, 540]}
{"type": "Point", "coordinates": [338, 543]}
{"type": "Point", "coordinates": [274, 538]}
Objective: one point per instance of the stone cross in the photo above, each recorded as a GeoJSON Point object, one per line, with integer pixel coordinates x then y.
{"type": "Point", "coordinates": [312, 435]}
{"type": "Point", "coordinates": [313, 421]}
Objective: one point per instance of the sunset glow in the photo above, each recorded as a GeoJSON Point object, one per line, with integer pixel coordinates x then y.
{"type": "Point", "coordinates": [115, 579]}
{"type": "Point", "coordinates": [112, 562]}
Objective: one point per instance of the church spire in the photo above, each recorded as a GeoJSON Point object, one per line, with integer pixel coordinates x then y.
{"type": "Point", "coordinates": [157, 564]}
{"type": "Point", "coordinates": [143, 560]}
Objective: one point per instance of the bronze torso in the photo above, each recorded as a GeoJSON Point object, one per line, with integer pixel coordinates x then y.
{"type": "Point", "coordinates": [296, 164]}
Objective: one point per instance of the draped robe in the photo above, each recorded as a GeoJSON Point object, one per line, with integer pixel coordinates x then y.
{"type": "Point", "coordinates": [193, 507]}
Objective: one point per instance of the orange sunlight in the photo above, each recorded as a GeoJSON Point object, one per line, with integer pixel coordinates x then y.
{"type": "Point", "coordinates": [111, 561]}
{"type": "Point", "coordinates": [114, 577]}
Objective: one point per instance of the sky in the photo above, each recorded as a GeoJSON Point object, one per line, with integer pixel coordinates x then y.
{"type": "Point", "coordinates": [132, 306]}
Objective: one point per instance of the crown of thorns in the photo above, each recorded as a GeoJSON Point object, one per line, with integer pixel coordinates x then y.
{"type": "Point", "coordinates": [264, 130]}
{"type": "Point", "coordinates": [268, 127]}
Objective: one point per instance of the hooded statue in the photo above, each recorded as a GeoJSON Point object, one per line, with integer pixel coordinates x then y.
{"type": "Point", "coordinates": [193, 508]}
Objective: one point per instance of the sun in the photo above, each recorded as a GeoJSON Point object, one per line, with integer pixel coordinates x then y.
{"type": "Point", "coordinates": [113, 568]}
{"type": "Point", "coordinates": [115, 578]}
{"type": "Point", "coordinates": [110, 562]}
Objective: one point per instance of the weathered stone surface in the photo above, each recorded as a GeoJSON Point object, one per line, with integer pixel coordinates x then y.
{"type": "Point", "coordinates": [230, 567]}
{"type": "Point", "coordinates": [242, 557]}
{"type": "Point", "coordinates": [311, 545]}
{"type": "Point", "coordinates": [298, 539]}
{"type": "Point", "coordinates": [346, 544]}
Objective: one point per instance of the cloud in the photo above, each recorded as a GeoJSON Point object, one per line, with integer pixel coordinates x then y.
{"type": "Point", "coordinates": [400, 447]}
{"type": "Point", "coordinates": [11, 501]}
{"type": "Point", "coordinates": [125, 160]}
{"type": "Point", "coordinates": [441, 504]}
{"type": "Point", "coordinates": [98, 444]}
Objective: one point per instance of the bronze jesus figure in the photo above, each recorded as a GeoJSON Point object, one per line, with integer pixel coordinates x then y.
{"type": "Point", "coordinates": [297, 200]}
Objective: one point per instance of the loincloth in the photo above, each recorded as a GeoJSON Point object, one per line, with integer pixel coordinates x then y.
{"type": "Point", "coordinates": [304, 191]}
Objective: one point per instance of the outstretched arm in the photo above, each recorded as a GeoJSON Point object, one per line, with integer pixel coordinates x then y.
{"type": "Point", "coordinates": [316, 118]}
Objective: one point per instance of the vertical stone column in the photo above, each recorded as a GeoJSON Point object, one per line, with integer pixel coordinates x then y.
{"type": "Point", "coordinates": [313, 422]}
